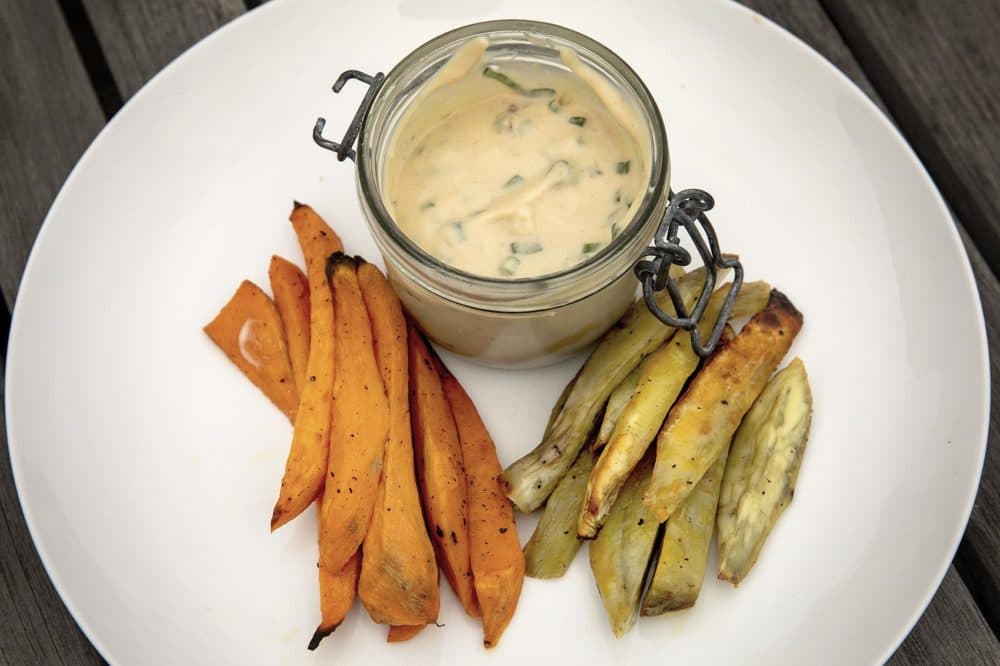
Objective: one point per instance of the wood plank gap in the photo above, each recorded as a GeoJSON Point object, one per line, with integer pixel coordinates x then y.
{"type": "Point", "coordinates": [94, 62]}
{"type": "Point", "coordinates": [973, 572]}
{"type": "Point", "coordinates": [960, 198]}
{"type": "Point", "coordinates": [4, 332]}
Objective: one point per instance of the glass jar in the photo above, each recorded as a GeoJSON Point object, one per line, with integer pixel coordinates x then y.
{"type": "Point", "coordinates": [517, 322]}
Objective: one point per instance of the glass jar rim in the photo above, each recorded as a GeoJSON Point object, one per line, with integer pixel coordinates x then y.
{"type": "Point", "coordinates": [653, 192]}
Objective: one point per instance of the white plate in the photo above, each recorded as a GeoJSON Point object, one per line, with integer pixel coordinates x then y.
{"type": "Point", "coordinates": [147, 465]}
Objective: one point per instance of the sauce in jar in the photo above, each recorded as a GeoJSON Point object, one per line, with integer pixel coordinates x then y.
{"type": "Point", "coordinates": [515, 169]}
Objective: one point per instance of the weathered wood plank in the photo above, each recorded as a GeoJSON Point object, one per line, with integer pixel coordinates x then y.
{"type": "Point", "coordinates": [933, 641]}
{"type": "Point", "coordinates": [48, 115]}
{"type": "Point", "coordinates": [140, 37]}
{"type": "Point", "coordinates": [977, 556]}
{"type": "Point", "coordinates": [937, 66]}
{"type": "Point", "coordinates": [35, 627]}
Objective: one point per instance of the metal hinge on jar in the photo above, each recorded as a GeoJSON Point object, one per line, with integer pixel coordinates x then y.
{"type": "Point", "coordinates": [345, 148]}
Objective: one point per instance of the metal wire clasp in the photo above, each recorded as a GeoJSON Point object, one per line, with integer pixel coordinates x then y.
{"type": "Point", "coordinates": [345, 149]}
{"type": "Point", "coordinates": [686, 209]}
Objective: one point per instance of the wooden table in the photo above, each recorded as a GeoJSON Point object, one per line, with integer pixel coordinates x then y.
{"type": "Point", "coordinates": [67, 66]}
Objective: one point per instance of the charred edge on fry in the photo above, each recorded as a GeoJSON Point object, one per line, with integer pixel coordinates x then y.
{"type": "Point", "coordinates": [780, 303]}
{"type": "Point", "coordinates": [339, 259]}
{"type": "Point", "coordinates": [321, 633]}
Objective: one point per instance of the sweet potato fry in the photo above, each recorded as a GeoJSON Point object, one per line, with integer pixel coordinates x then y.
{"type": "Point", "coordinates": [402, 632]}
{"type": "Point", "coordinates": [248, 329]}
{"type": "Point", "coordinates": [702, 422]}
{"type": "Point", "coordinates": [305, 469]}
{"type": "Point", "coordinates": [336, 596]}
{"type": "Point", "coordinates": [440, 471]}
{"type": "Point", "coordinates": [359, 423]}
{"type": "Point", "coordinates": [399, 574]}
{"type": "Point", "coordinates": [291, 296]}
{"type": "Point", "coordinates": [497, 560]}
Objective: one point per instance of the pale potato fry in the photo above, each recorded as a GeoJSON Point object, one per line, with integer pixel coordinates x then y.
{"type": "Point", "coordinates": [620, 555]}
{"type": "Point", "coordinates": [703, 421]}
{"type": "Point", "coordinates": [763, 467]}
{"type": "Point", "coordinates": [617, 402]}
{"type": "Point", "coordinates": [554, 543]}
{"type": "Point", "coordinates": [687, 538]}
{"type": "Point", "coordinates": [660, 379]}
{"type": "Point", "coordinates": [531, 479]}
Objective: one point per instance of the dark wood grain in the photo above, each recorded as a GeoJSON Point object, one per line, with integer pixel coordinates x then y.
{"type": "Point", "coordinates": [979, 554]}
{"type": "Point", "coordinates": [48, 115]}
{"type": "Point", "coordinates": [937, 66]}
{"type": "Point", "coordinates": [140, 37]}
{"type": "Point", "coordinates": [932, 641]}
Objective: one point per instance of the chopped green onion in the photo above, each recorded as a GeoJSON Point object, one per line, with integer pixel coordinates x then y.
{"type": "Point", "coordinates": [498, 76]}
{"type": "Point", "coordinates": [615, 230]}
{"type": "Point", "coordinates": [509, 265]}
{"type": "Point", "coordinates": [427, 205]}
{"type": "Point", "coordinates": [579, 121]}
{"type": "Point", "coordinates": [516, 179]}
{"type": "Point", "coordinates": [554, 106]}
{"type": "Point", "coordinates": [592, 247]}
{"type": "Point", "coordinates": [456, 232]}
{"type": "Point", "coordinates": [618, 196]}
{"type": "Point", "coordinates": [623, 167]}
{"type": "Point", "coordinates": [525, 247]}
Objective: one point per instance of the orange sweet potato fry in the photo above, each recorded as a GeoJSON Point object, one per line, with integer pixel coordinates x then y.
{"type": "Point", "coordinates": [336, 596]}
{"type": "Point", "coordinates": [440, 472]}
{"type": "Point", "coordinates": [497, 560]}
{"type": "Point", "coordinates": [305, 469]}
{"type": "Point", "coordinates": [402, 632]}
{"type": "Point", "coordinates": [291, 296]}
{"type": "Point", "coordinates": [248, 329]}
{"type": "Point", "coordinates": [399, 575]}
{"type": "Point", "coordinates": [359, 425]}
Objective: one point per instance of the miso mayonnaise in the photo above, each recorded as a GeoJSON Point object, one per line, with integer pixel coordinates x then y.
{"type": "Point", "coordinates": [515, 169]}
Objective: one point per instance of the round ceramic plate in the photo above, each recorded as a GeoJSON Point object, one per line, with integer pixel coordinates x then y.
{"type": "Point", "coordinates": [147, 465]}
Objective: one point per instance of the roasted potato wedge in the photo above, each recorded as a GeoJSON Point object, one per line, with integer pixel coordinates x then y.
{"type": "Point", "coordinates": [554, 543]}
{"type": "Point", "coordinates": [660, 377]}
{"type": "Point", "coordinates": [530, 480]}
{"type": "Point", "coordinates": [763, 466]}
{"type": "Point", "coordinates": [703, 421]}
{"type": "Point", "coordinates": [683, 557]}
{"type": "Point", "coordinates": [620, 555]}
{"type": "Point", "coordinates": [617, 402]}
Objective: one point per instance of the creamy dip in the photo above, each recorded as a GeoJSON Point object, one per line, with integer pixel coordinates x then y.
{"type": "Point", "coordinates": [516, 169]}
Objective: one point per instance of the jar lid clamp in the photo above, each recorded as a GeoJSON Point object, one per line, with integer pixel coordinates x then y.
{"type": "Point", "coordinates": [687, 209]}
{"type": "Point", "coordinates": [345, 149]}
